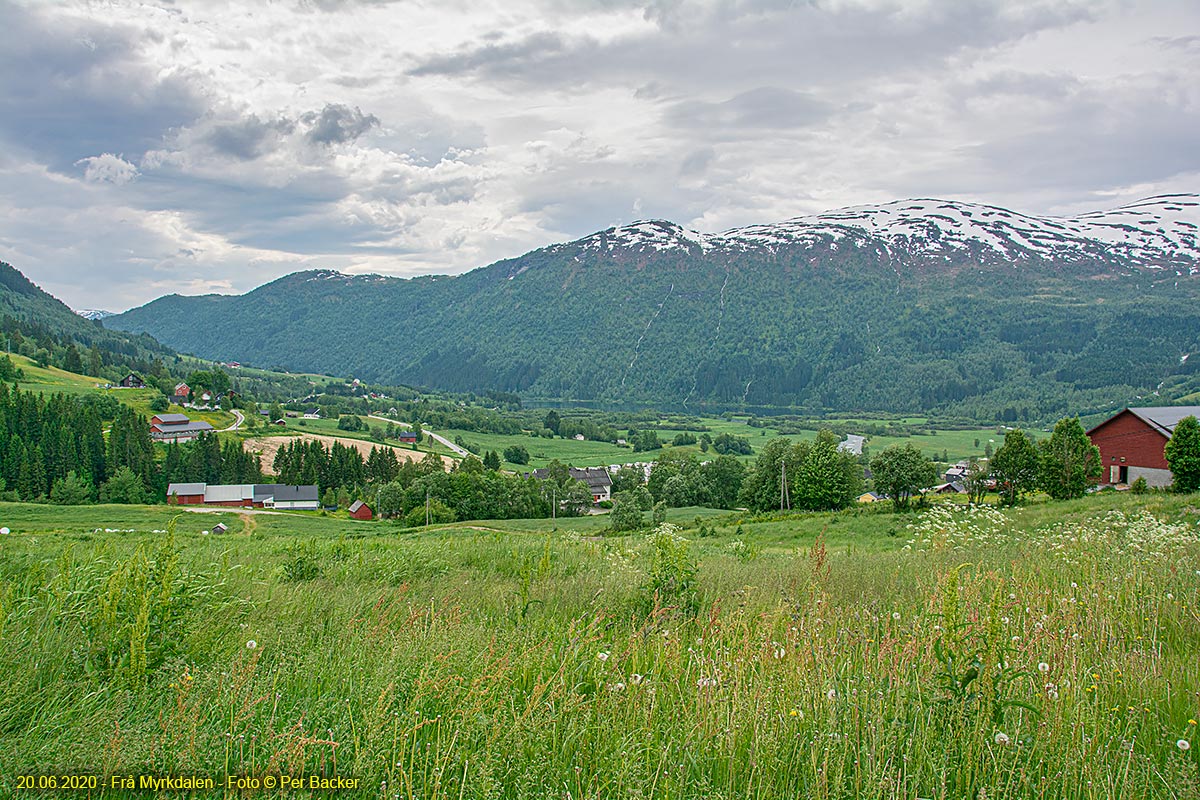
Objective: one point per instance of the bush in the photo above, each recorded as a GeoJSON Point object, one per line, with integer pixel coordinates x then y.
{"type": "Point", "coordinates": [1139, 486]}
{"type": "Point", "coordinates": [671, 576]}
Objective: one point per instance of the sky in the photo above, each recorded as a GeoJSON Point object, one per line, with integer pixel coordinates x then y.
{"type": "Point", "coordinates": [197, 146]}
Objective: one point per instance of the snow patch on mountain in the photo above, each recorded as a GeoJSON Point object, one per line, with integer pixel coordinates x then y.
{"type": "Point", "coordinates": [94, 313]}
{"type": "Point", "coordinates": [1153, 233]}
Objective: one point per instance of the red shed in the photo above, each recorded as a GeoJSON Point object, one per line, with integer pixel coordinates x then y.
{"type": "Point", "coordinates": [1131, 443]}
{"type": "Point", "coordinates": [360, 510]}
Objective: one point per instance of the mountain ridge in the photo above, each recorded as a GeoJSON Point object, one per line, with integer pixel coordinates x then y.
{"type": "Point", "coordinates": [895, 306]}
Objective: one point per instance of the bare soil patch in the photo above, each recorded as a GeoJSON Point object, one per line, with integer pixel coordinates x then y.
{"type": "Point", "coordinates": [268, 446]}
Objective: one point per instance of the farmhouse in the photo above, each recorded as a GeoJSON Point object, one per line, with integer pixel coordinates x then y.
{"type": "Point", "coordinates": [597, 479]}
{"type": "Point", "coordinates": [1132, 441]}
{"type": "Point", "coordinates": [244, 495]}
{"type": "Point", "coordinates": [176, 428]}
{"type": "Point", "coordinates": [181, 394]}
{"type": "Point", "coordinates": [132, 381]}
{"type": "Point", "coordinates": [408, 437]}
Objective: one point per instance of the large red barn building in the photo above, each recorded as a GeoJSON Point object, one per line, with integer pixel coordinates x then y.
{"type": "Point", "coordinates": [1132, 442]}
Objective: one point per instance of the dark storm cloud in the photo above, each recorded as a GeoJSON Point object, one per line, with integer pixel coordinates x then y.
{"type": "Point", "coordinates": [248, 138]}
{"type": "Point", "coordinates": [72, 89]}
{"type": "Point", "coordinates": [337, 124]}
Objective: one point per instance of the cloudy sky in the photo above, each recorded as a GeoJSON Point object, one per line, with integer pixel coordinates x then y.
{"type": "Point", "coordinates": [200, 146]}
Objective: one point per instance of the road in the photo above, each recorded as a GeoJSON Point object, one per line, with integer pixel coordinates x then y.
{"type": "Point", "coordinates": [462, 451]}
{"type": "Point", "coordinates": [237, 422]}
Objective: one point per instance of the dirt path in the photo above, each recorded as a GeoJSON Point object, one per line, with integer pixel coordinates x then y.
{"type": "Point", "coordinates": [270, 445]}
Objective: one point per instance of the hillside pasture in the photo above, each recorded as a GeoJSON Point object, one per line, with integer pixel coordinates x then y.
{"type": "Point", "coordinates": [1043, 652]}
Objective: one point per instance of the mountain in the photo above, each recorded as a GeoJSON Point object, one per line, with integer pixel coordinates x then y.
{"type": "Point", "coordinates": [906, 306]}
{"type": "Point", "coordinates": [32, 320]}
{"type": "Point", "coordinates": [93, 313]}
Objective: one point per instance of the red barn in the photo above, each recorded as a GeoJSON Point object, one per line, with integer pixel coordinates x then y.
{"type": "Point", "coordinates": [1132, 441]}
{"type": "Point", "coordinates": [360, 510]}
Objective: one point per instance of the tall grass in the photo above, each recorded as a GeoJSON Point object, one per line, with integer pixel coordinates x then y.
{"type": "Point", "coordinates": [1030, 654]}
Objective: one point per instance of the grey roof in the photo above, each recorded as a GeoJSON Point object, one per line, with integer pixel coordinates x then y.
{"type": "Point", "coordinates": [594, 477]}
{"type": "Point", "coordinates": [356, 505]}
{"type": "Point", "coordinates": [294, 494]}
{"type": "Point", "coordinates": [186, 488]}
{"type": "Point", "coordinates": [1165, 418]}
{"type": "Point", "coordinates": [182, 430]}
{"type": "Point", "coordinates": [172, 419]}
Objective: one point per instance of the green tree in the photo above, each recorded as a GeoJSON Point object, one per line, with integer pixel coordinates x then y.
{"type": "Point", "coordinates": [721, 480]}
{"type": "Point", "coordinates": [1015, 466]}
{"type": "Point", "coordinates": [123, 487]}
{"type": "Point", "coordinates": [552, 421]}
{"type": "Point", "coordinates": [437, 513]}
{"type": "Point", "coordinates": [491, 460]}
{"type": "Point", "coordinates": [159, 404]}
{"type": "Point", "coordinates": [71, 490]}
{"type": "Point", "coordinates": [823, 483]}
{"type": "Point", "coordinates": [276, 412]}
{"type": "Point", "coordinates": [1069, 460]}
{"type": "Point", "coordinates": [1183, 455]}
{"type": "Point", "coordinates": [390, 500]}
{"type": "Point", "coordinates": [626, 514]}
{"type": "Point", "coordinates": [901, 472]}
{"type": "Point", "coordinates": [516, 454]}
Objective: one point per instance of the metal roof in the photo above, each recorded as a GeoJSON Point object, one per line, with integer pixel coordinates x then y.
{"type": "Point", "coordinates": [1161, 418]}
{"type": "Point", "coordinates": [229, 493]}
{"type": "Point", "coordinates": [186, 488]}
{"type": "Point", "coordinates": [1165, 418]}
{"type": "Point", "coordinates": [172, 419]}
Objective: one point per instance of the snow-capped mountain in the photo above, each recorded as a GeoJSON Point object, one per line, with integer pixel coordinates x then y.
{"type": "Point", "coordinates": [1155, 233]}
{"type": "Point", "coordinates": [94, 313]}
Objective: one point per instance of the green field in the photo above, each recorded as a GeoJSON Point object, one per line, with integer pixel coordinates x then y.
{"type": "Point", "coordinates": [957, 444]}
{"type": "Point", "coordinates": [1049, 651]}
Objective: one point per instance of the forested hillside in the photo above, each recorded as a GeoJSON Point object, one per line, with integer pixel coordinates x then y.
{"type": "Point", "coordinates": [1014, 318]}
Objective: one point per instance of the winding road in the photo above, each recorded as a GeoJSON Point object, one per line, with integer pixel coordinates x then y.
{"type": "Point", "coordinates": [237, 422]}
{"type": "Point", "coordinates": [455, 448]}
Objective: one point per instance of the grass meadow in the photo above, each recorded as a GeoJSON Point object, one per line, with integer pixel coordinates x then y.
{"type": "Point", "coordinates": [1049, 651]}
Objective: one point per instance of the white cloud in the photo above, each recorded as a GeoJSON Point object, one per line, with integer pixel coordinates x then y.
{"type": "Point", "coordinates": [107, 168]}
{"type": "Point", "coordinates": [219, 144]}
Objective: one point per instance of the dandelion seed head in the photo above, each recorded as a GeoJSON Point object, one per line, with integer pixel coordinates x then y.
{"type": "Point", "coordinates": [1001, 738]}
{"type": "Point", "coordinates": [1184, 745]}
{"type": "Point", "coordinates": [250, 645]}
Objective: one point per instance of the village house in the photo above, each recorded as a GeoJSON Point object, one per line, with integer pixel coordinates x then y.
{"type": "Point", "coordinates": [245, 495]}
{"type": "Point", "coordinates": [597, 479]}
{"type": "Point", "coordinates": [1132, 444]}
{"type": "Point", "coordinates": [181, 394]}
{"type": "Point", "coordinates": [176, 428]}
{"type": "Point", "coordinates": [132, 381]}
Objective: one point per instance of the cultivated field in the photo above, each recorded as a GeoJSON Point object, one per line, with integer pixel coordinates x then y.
{"type": "Point", "coordinates": [268, 446]}
{"type": "Point", "coordinates": [1045, 652]}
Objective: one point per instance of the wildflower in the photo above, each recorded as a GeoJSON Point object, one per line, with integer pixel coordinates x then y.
{"type": "Point", "coordinates": [831, 694]}
{"type": "Point", "coordinates": [1043, 667]}
{"type": "Point", "coordinates": [617, 687]}
{"type": "Point", "coordinates": [250, 645]}
{"type": "Point", "coordinates": [896, 615]}
{"type": "Point", "coordinates": [635, 678]}
{"type": "Point", "coordinates": [1001, 738]}
{"type": "Point", "coordinates": [1052, 694]}
{"type": "Point", "coordinates": [1184, 745]}
{"type": "Point", "coordinates": [602, 655]}
{"type": "Point", "coordinates": [1191, 722]}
